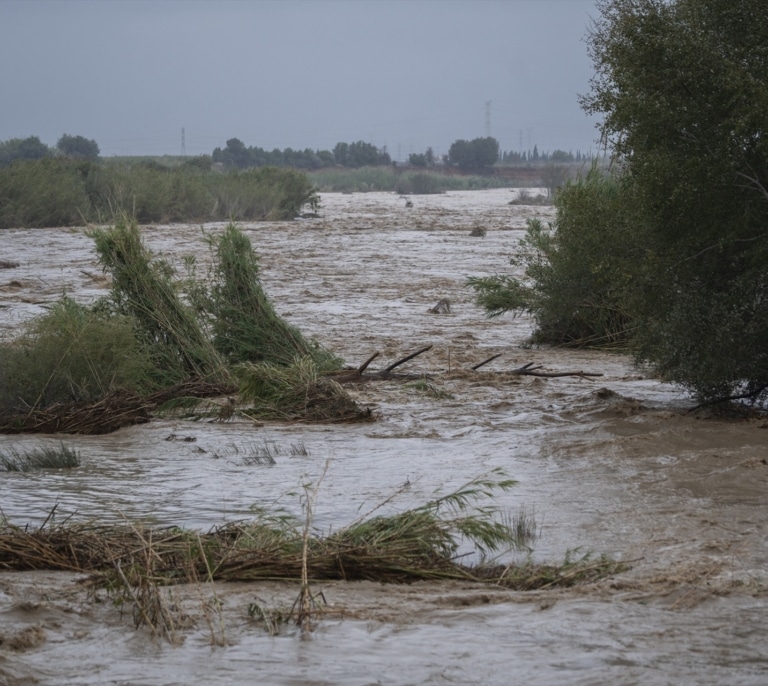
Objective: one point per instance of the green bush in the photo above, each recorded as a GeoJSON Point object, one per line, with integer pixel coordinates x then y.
{"type": "Point", "coordinates": [64, 192]}
{"type": "Point", "coordinates": [579, 274]}
{"type": "Point", "coordinates": [70, 354]}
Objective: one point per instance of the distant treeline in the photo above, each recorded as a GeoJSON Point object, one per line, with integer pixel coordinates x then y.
{"type": "Point", "coordinates": [236, 155]}
{"type": "Point", "coordinates": [59, 191]}
{"type": "Point", "coordinates": [475, 155]}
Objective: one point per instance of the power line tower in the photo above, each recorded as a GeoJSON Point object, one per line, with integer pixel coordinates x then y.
{"type": "Point", "coordinates": [183, 143]}
{"type": "Point", "coordinates": [487, 118]}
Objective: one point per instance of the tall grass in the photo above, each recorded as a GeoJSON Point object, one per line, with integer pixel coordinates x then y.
{"type": "Point", "coordinates": [42, 457]}
{"type": "Point", "coordinates": [62, 192]}
{"type": "Point", "coordinates": [245, 326]}
{"type": "Point", "coordinates": [142, 288]}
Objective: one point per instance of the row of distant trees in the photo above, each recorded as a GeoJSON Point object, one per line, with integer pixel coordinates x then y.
{"type": "Point", "coordinates": [468, 155]}
{"type": "Point", "coordinates": [32, 148]}
{"type": "Point", "coordinates": [359, 154]}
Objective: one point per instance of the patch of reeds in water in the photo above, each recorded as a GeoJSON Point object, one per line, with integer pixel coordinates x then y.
{"type": "Point", "coordinates": [245, 326]}
{"type": "Point", "coordinates": [145, 348]}
{"type": "Point", "coordinates": [424, 543]}
{"type": "Point", "coordinates": [143, 289]}
{"type": "Point", "coordinates": [41, 457]}
{"type": "Point", "coordinates": [264, 453]}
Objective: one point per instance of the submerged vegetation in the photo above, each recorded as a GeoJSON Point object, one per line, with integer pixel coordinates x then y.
{"type": "Point", "coordinates": [428, 542]}
{"type": "Point", "coordinates": [42, 457]}
{"type": "Point", "coordinates": [158, 341]}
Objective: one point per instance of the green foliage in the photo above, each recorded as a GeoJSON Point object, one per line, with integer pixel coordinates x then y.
{"type": "Point", "coordinates": [22, 149]}
{"type": "Point", "coordinates": [142, 288]}
{"type": "Point", "coordinates": [245, 326]}
{"type": "Point", "coordinates": [63, 192]}
{"type": "Point", "coordinates": [475, 154]}
{"type": "Point", "coordinates": [297, 392]}
{"type": "Point", "coordinates": [579, 274]}
{"type": "Point", "coordinates": [70, 354]}
{"type": "Point", "coordinates": [78, 147]}
{"type": "Point", "coordinates": [683, 88]}
{"type": "Point", "coordinates": [394, 179]}
{"type": "Point", "coordinates": [420, 183]}
{"type": "Point", "coordinates": [45, 192]}
{"type": "Point", "coordinates": [360, 154]}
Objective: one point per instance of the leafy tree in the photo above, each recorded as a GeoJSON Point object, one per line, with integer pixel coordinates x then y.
{"type": "Point", "coordinates": [578, 292]}
{"type": "Point", "coordinates": [22, 149]}
{"type": "Point", "coordinates": [561, 156]}
{"type": "Point", "coordinates": [360, 154]}
{"type": "Point", "coordinates": [475, 154]}
{"type": "Point", "coordinates": [417, 159]}
{"type": "Point", "coordinates": [234, 155]}
{"type": "Point", "coordinates": [683, 87]}
{"type": "Point", "coordinates": [78, 147]}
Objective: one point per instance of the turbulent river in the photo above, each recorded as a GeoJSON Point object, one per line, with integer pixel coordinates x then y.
{"type": "Point", "coordinates": [612, 464]}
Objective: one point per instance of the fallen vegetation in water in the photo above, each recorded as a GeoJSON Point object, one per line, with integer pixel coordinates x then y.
{"type": "Point", "coordinates": [424, 543]}
{"type": "Point", "coordinates": [157, 344]}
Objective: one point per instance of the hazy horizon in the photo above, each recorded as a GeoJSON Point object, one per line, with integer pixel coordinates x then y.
{"type": "Point", "coordinates": [406, 74]}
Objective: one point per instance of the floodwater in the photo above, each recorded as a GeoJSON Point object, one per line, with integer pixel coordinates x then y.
{"type": "Point", "coordinates": [614, 464]}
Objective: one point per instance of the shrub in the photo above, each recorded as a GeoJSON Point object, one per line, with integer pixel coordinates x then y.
{"type": "Point", "coordinates": [579, 273]}
{"type": "Point", "coordinates": [70, 354]}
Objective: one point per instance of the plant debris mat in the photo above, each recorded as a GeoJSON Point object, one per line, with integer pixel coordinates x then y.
{"type": "Point", "coordinates": [110, 413]}
{"type": "Point", "coordinates": [256, 551]}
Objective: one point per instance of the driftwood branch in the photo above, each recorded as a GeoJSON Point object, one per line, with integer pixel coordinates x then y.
{"type": "Point", "coordinates": [530, 370]}
{"type": "Point", "coordinates": [359, 375]}
{"type": "Point", "coordinates": [485, 362]}
{"type": "Point", "coordinates": [405, 359]}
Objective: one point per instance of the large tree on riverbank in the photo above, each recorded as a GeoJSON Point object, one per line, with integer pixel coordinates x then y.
{"type": "Point", "coordinates": [682, 255]}
{"type": "Point", "coordinates": [683, 87]}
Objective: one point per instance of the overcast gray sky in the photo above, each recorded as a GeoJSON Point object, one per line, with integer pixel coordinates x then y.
{"type": "Point", "coordinates": [407, 74]}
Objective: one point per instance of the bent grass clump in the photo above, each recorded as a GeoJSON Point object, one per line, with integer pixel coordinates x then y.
{"type": "Point", "coordinates": [430, 542]}
{"type": "Point", "coordinates": [296, 393]}
{"type": "Point", "coordinates": [147, 348]}
{"type": "Point", "coordinates": [42, 457]}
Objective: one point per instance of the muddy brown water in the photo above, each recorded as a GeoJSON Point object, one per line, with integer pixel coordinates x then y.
{"type": "Point", "coordinates": [615, 465]}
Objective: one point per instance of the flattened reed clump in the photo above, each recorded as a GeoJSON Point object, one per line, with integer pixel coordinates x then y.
{"type": "Point", "coordinates": [116, 409]}
{"type": "Point", "coordinates": [426, 542]}
{"type": "Point", "coordinates": [296, 393]}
